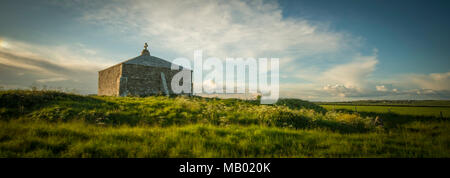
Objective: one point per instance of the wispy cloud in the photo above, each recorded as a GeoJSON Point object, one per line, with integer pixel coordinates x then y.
{"type": "Point", "coordinates": [351, 75]}
{"type": "Point", "coordinates": [433, 81]}
{"type": "Point", "coordinates": [354, 80]}
{"type": "Point", "coordinates": [23, 65]}
{"type": "Point", "coordinates": [220, 28]}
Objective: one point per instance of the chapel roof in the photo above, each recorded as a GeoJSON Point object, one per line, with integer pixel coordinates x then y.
{"type": "Point", "coordinates": [146, 59]}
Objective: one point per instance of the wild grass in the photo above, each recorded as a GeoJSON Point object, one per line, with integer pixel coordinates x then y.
{"type": "Point", "coordinates": [79, 139]}
{"type": "Point", "coordinates": [54, 124]}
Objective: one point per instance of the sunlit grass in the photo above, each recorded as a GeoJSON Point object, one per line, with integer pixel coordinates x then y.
{"type": "Point", "coordinates": [79, 139]}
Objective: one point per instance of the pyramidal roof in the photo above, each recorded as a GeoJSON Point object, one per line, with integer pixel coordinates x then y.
{"type": "Point", "coordinates": [146, 59]}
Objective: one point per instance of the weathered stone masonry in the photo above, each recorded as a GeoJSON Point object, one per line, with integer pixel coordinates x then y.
{"type": "Point", "coordinates": [141, 76]}
{"type": "Point", "coordinates": [108, 80]}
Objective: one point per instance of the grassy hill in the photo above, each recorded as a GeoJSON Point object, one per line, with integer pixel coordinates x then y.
{"type": "Point", "coordinates": [54, 124]}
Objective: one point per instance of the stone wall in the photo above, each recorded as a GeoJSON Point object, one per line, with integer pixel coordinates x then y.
{"type": "Point", "coordinates": [140, 80]}
{"type": "Point", "coordinates": [108, 81]}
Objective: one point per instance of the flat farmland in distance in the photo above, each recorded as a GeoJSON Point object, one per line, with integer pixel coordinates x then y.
{"type": "Point", "coordinates": [401, 110]}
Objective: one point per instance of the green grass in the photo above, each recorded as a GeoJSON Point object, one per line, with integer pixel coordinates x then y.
{"type": "Point", "coordinates": [79, 139]}
{"type": "Point", "coordinates": [53, 124]}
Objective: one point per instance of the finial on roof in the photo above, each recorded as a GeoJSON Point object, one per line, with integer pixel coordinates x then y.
{"type": "Point", "coordinates": [145, 51]}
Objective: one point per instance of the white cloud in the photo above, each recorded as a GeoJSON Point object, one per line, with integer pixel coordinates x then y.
{"type": "Point", "coordinates": [381, 88]}
{"type": "Point", "coordinates": [220, 28]}
{"type": "Point", "coordinates": [57, 79]}
{"type": "Point", "coordinates": [340, 81]}
{"type": "Point", "coordinates": [69, 66]}
{"type": "Point", "coordinates": [67, 55]}
{"type": "Point", "coordinates": [4, 44]}
{"type": "Point", "coordinates": [339, 90]}
{"type": "Point", "coordinates": [433, 81]}
{"type": "Point", "coordinates": [352, 75]}
{"type": "Point", "coordinates": [353, 80]}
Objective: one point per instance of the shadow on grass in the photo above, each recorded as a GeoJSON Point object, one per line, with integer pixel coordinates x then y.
{"type": "Point", "coordinates": [22, 102]}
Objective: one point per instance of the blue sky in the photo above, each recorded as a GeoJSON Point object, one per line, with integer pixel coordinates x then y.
{"type": "Point", "coordinates": [414, 32]}
{"type": "Point", "coordinates": [328, 50]}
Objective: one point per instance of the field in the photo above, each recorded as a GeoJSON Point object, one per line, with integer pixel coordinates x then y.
{"type": "Point", "coordinates": [54, 124]}
{"type": "Point", "coordinates": [401, 110]}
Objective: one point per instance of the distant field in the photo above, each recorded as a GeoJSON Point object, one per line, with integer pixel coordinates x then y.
{"type": "Point", "coordinates": [408, 103]}
{"type": "Point", "coordinates": [402, 110]}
